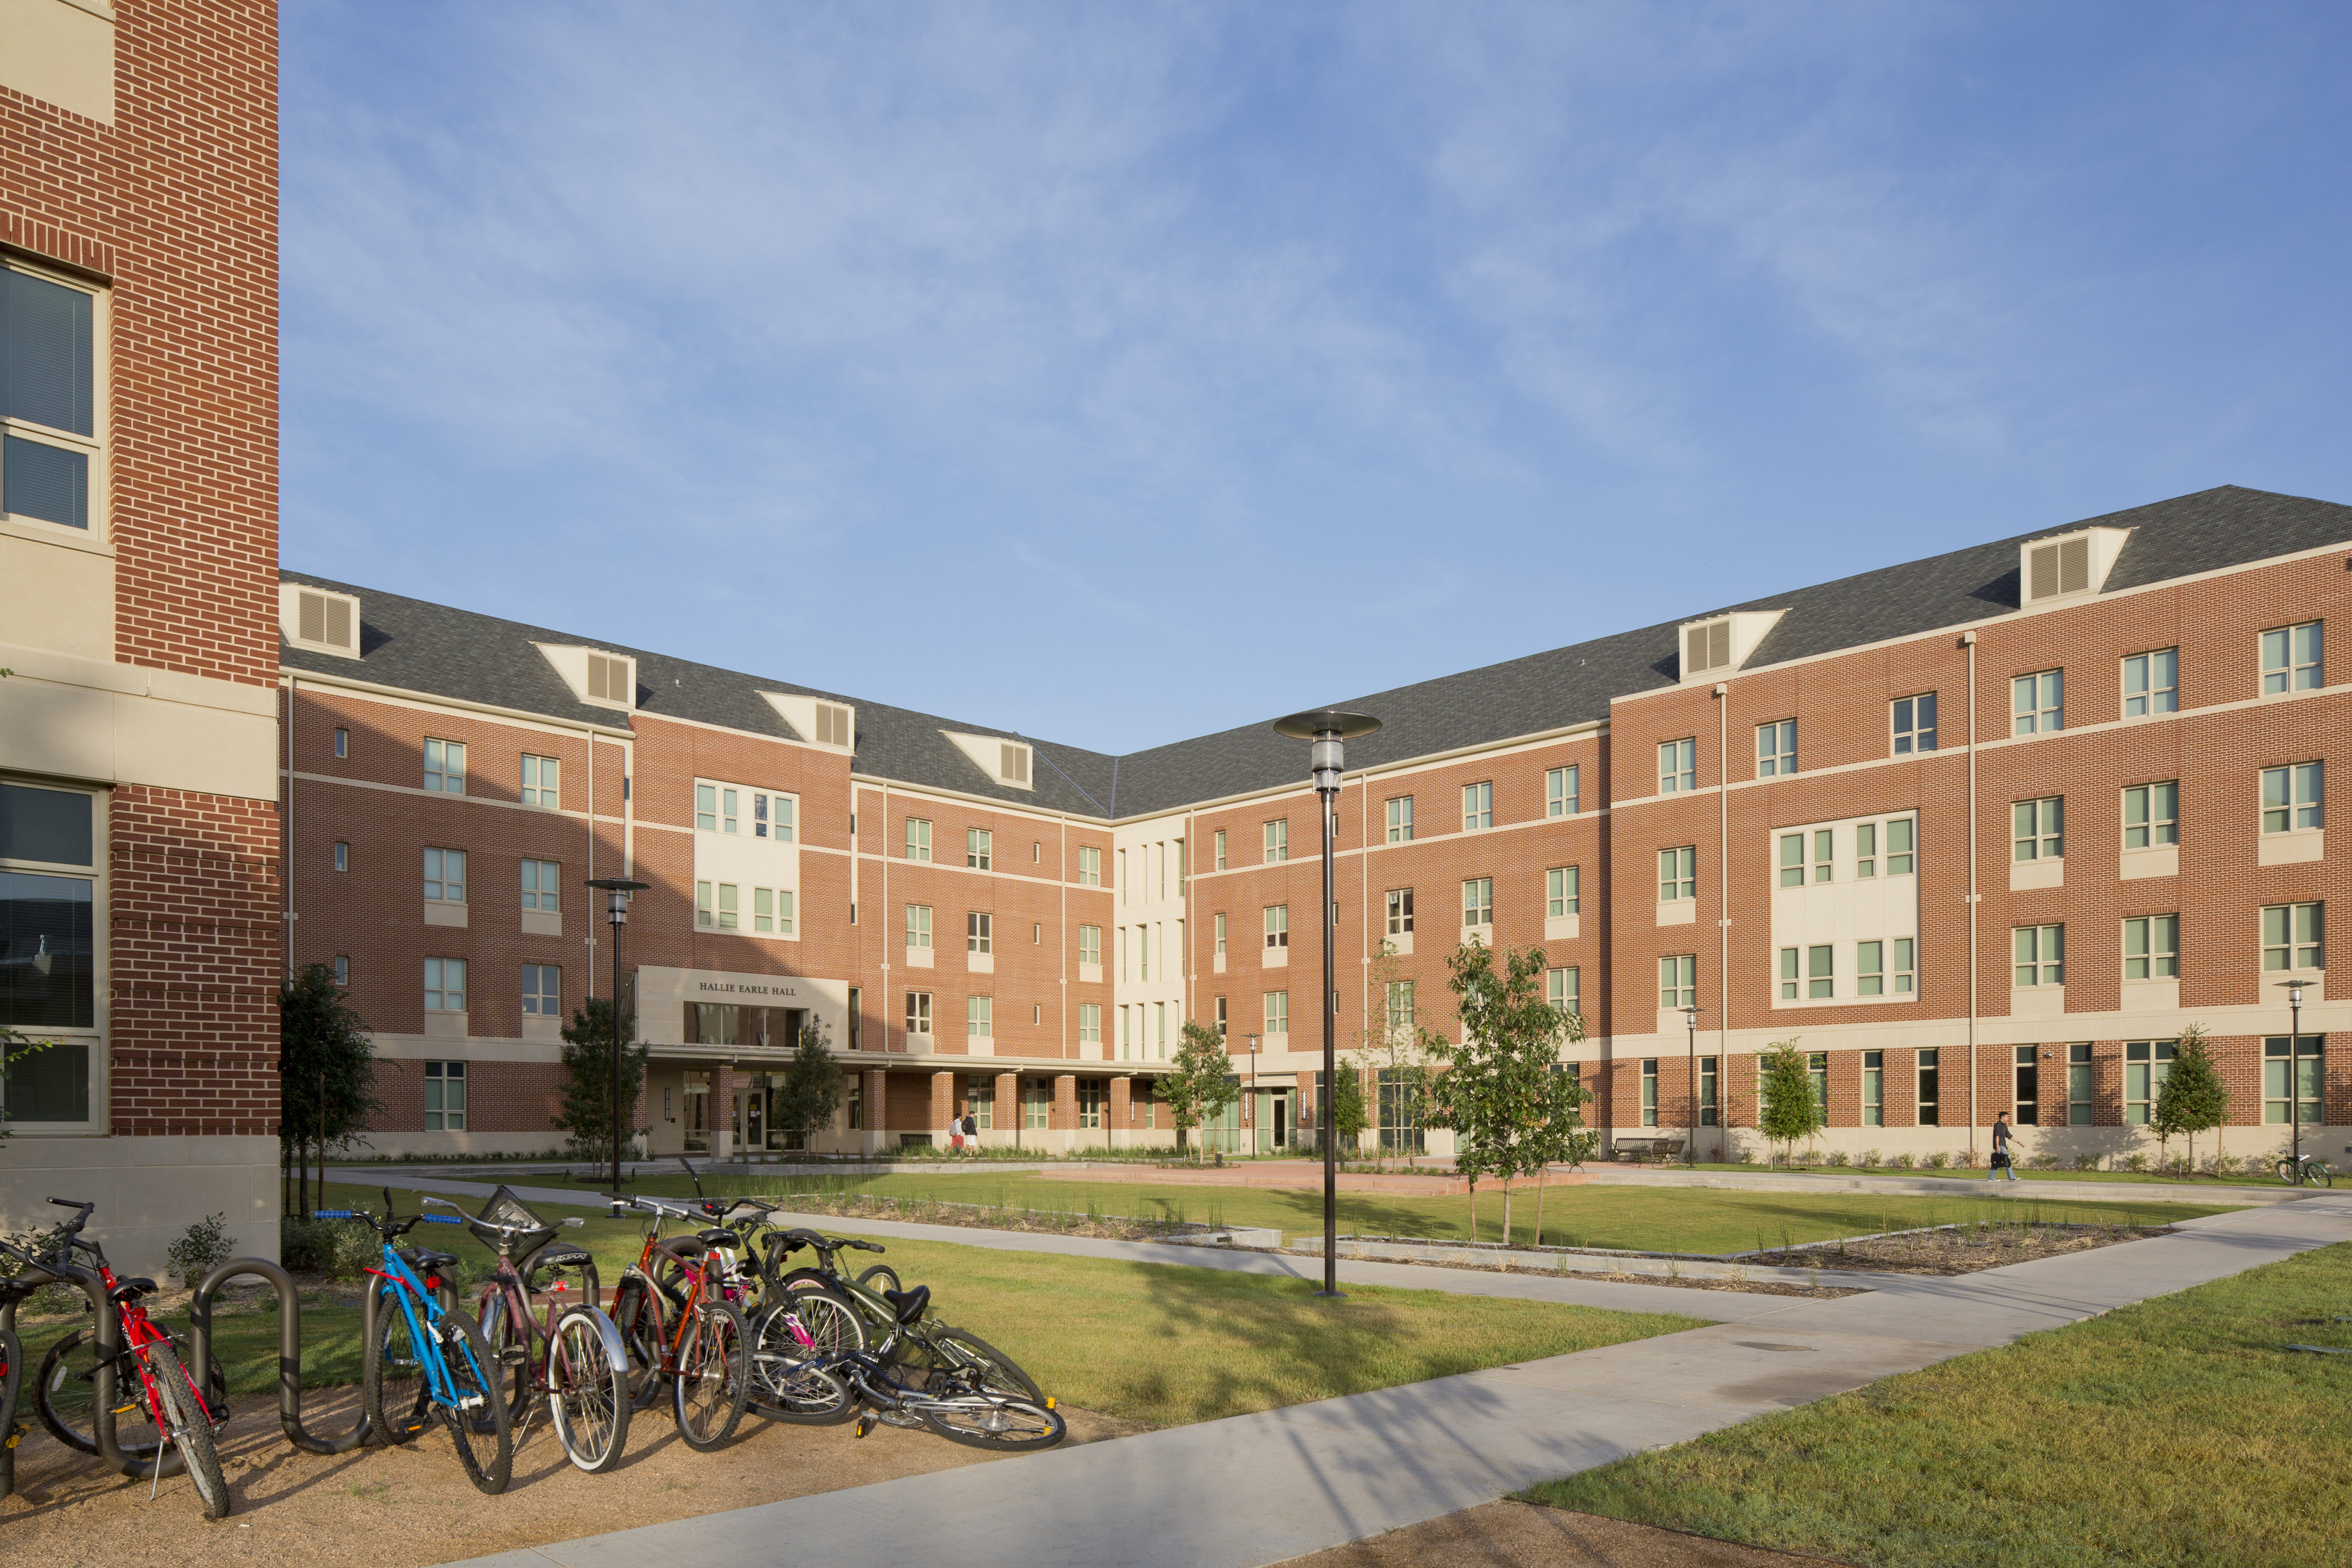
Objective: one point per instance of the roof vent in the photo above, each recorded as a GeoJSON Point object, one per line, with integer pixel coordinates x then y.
{"type": "Point", "coordinates": [1716, 646]}
{"type": "Point", "coordinates": [319, 619]}
{"type": "Point", "coordinates": [815, 721]}
{"type": "Point", "coordinates": [599, 679]}
{"type": "Point", "coordinates": [2070, 566]}
{"type": "Point", "coordinates": [1004, 761]}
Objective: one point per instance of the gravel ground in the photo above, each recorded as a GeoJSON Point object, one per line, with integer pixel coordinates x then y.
{"type": "Point", "coordinates": [1957, 1249]}
{"type": "Point", "coordinates": [1524, 1535]}
{"type": "Point", "coordinates": [412, 1506]}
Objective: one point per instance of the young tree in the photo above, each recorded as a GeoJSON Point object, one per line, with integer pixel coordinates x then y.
{"type": "Point", "coordinates": [1790, 1110]}
{"type": "Point", "coordinates": [812, 1086]}
{"type": "Point", "coordinates": [1560, 1127]}
{"type": "Point", "coordinates": [1198, 1084]}
{"type": "Point", "coordinates": [587, 1112]}
{"type": "Point", "coordinates": [1348, 1113]}
{"type": "Point", "coordinates": [1389, 1047]}
{"type": "Point", "coordinates": [1498, 1079]}
{"type": "Point", "coordinates": [2193, 1098]}
{"type": "Point", "coordinates": [326, 1066]}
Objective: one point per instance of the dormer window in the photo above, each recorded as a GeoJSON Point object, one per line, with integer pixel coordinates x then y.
{"type": "Point", "coordinates": [1013, 766]}
{"type": "Point", "coordinates": [832, 725]}
{"type": "Point", "coordinates": [819, 722]}
{"type": "Point", "coordinates": [605, 679]}
{"type": "Point", "coordinates": [1003, 762]}
{"type": "Point", "coordinates": [320, 619]}
{"type": "Point", "coordinates": [1707, 649]}
{"type": "Point", "coordinates": [1720, 644]}
{"type": "Point", "coordinates": [2062, 568]}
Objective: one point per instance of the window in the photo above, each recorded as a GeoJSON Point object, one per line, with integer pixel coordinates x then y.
{"type": "Point", "coordinates": [1929, 1088]}
{"type": "Point", "coordinates": [542, 781]}
{"type": "Point", "coordinates": [1399, 819]}
{"type": "Point", "coordinates": [1089, 865]}
{"type": "Point", "coordinates": [980, 1098]}
{"type": "Point", "coordinates": [2291, 658]}
{"type": "Point", "coordinates": [1399, 1007]}
{"type": "Point", "coordinates": [1789, 978]}
{"type": "Point", "coordinates": [1709, 1075]}
{"type": "Point", "coordinates": [1091, 1103]}
{"type": "Point", "coordinates": [1220, 848]}
{"type": "Point", "coordinates": [444, 1097]}
{"type": "Point", "coordinates": [49, 415]}
{"type": "Point", "coordinates": [1649, 1091]}
{"type": "Point", "coordinates": [1907, 968]}
{"type": "Point", "coordinates": [919, 925]}
{"type": "Point", "coordinates": [1090, 944]}
{"type": "Point", "coordinates": [1677, 874]}
{"type": "Point", "coordinates": [2292, 796]}
{"type": "Point", "coordinates": [2146, 1064]}
{"type": "Point", "coordinates": [1090, 1023]}
{"type": "Point", "coordinates": [771, 911]}
{"type": "Point", "coordinates": [1563, 988]}
{"type": "Point", "coordinates": [1818, 1066]}
{"type": "Point", "coordinates": [729, 906]}
{"type": "Point", "coordinates": [2151, 815]}
{"type": "Point", "coordinates": [1873, 1089]}
{"type": "Point", "coordinates": [978, 848]}
{"type": "Point", "coordinates": [2037, 829]}
{"type": "Point", "coordinates": [1477, 806]}
{"type": "Point", "coordinates": [2152, 683]}
{"type": "Point", "coordinates": [1776, 749]}
{"type": "Point", "coordinates": [782, 815]}
{"type": "Point", "coordinates": [1899, 852]}
{"type": "Point", "coordinates": [705, 808]}
{"type": "Point", "coordinates": [611, 680]}
{"type": "Point", "coordinates": [1277, 925]}
{"type": "Point", "coordinates": [2152, 947]}
{"type": "Point", "coordinates": [978, 1013]}
{"type": "Point", "coordinates": [1678, 766]}
{"type": "Point", "coordinates": [2292, 936]}
{"type": "Point", "coordinates": [832, 725]}
{"type": "Point", "coordinates": [1277, 836]}
{"type": "Point", "coordinates": [542, 880]}
{"type": "Point", "coordinates": [1399, 1110]}
{"type": "Point", "coordinates": [1678, 981]}
{"type": "Point", "coordinates": [1824, 854]}
{"type": "Point", "coordinates": [445, 876]}
{"type": "Point", "coordinates": [49, 933]}
{"type": "Point", "coordinates": [1821, 971]}
{"type": "Point", "coordinates": [1277, 1011]}
{"type": "Point", "coordinates": [2303, 1060]}
{"type": "Point", "coordinates": [1563, 891]}
{"type": "Point", "coordinates": [2062, 567]}
{"type": "Point", "coordinates": [2040, 953]}
{"type": "Point", "coordinates": [1221, 936]}
{"type": "Point", "coordinates": [919, 1012]}
{"type": "Point", "coordinates": [705, 909]}
{"type": "Point", "coordinates": [342, 743]}
{"type": "Point", "coordinates": [1478, 901]}
{"type": "Point", "coordinates": [1036, 1101]}
{"type": "Point", "coordinates": [342, 856]}
{"type": "Point", "coordinates": [1915, 724]}
{"type": "Point", "coordinates": [978, 932]}
{"type": "Point", "coordinates": [343, 977]}
{"type": "Point", "coordinates": [2037, 702]}
{"type": "Point", "coordinates": [1561, 791]}
{"type": "Point", "coordinates": [445, 984]}
{"type": "Point", "coordinates": [730, 810]}
{"type": "Point", "coordinates": [2078, 1084]}
{"type": "Point", "coordinates": [1221, 1018]}
{"type": "Point", "coordinates": [1865, 850]}
{"type": "Point", "coordinates": [1126, 1036]}
{"type": "Point", "coordinates": [445, 767]}
{"type": "Point", "coordinates": [1870, 969]}
{"type": "Point", "coordinates": [542, 991]}
{"type": "Point", "coordinates": [1793, 859]}
{"type": "Point", "coordinates": [1400, 911]}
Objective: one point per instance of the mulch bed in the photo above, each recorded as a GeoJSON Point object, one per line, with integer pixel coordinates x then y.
{"type": "Point", "coordinates": [1956, 1249]}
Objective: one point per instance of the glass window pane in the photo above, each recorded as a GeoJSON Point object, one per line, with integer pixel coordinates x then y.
{"type": "Point", "coordinates": [48, 332]}
{"type": "Point", "coordinates": [51, 483]}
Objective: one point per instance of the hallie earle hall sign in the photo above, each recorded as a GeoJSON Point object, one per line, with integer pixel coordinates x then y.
{"type": "Point", "coordinates": [662, 992]}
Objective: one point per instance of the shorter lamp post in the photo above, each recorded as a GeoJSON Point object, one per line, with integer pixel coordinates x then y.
{"type": "Point", "coordinates": [2295, 1069]}
{"type": "Point", "coordinates": [619, 889]}
{"type": "Point", "coordinates": [1690, 1086]}
{"type": "Point", "coordinates": [1252, 1108]}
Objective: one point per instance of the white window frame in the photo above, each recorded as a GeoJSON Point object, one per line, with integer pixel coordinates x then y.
{"type": "Point", "coordinates": [2158, 807]}
{"type": "Point", "coordinates": [1678, 984]}
{"type": "Point", "coordinates": [2037, 956]}
{"type": "Point", "coordinates": [444, 1117]}
{"type": "Point", "coordinates": [1564, 988]}
{"type": "Point", "coordinates": [1563, 891]}
{"type": "Point", "coordinates": [1089, 866]}
{"type": "Point", "coordinates": [2152, 947]}
{"type": "Point", "coordinates": [2293, 658]}
{"type": "Point", "coordinates": [2294, 797]}
{"type": "Point", "coordinates": [979, 1017]}
{"type": "Point", "coordinates": [439, 878]}
{"type": "Point", "coordinates": [1678, 766]}
{"type": "Point", "coordinates": [542, 882]}
{"type": "Point", "coordinates": [438, 973]}
{"type": "Point", "coordinates": [1478, 902]}
{"type": "Point", "coordinates": [1776, 748]}
{"type": "Point", "coordinates": [979, 932]}
{"type": "Point", "coordinates": [1399, 912]}
{"type": "Point", "coordinates": [93, 1036]}
{"type": "Point", "coordinates": [2294, 937]}
{"type": "Point", "coordinates": [1090, 1023]}
{"type": "Point", "coordinates": [2037, 828]}
{"type": "Point", "coordinates": [445, 767]}
{"type": "Point", "coordinates": [1278, 926]}
{"type": "Point", "coordinates": [537, 1001]}
{"type": "Point", "coordinates": [2151, 683]}
{"type": "Point", "coordinates": [1911, 725]}
{"type": "Point", "coordinates": [919, 925]}
{"type": "Point", "coordinates": [1563, 790]}
{"type": "Point", "coordinates": [918, 1013]}
{"type": "Point", "coordinates": [542, 781]}
{"type": "Point", "coordinates": [1399, 819]}
{"type": "Point", "coordinates": [1090, 945]}
{"type": "Point", "coordinates": [1478, 806]}
{"type": "Point", "coordinates": [95, 446]}
{"type": "Point", "coordinates": [1277, 1011]}
{"type": "Point", "coordinates": [1275, 837]}
{"type": "Point", "coordinates": [2037, 702]}
{"type": "Point", "coordinates": [979, 848]}
{"type": "Point", "coordinates": [1678, 874]}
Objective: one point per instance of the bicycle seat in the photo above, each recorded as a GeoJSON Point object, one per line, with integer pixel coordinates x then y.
{"type": "Point", "coordinates": [909, 1304]}
{"type": "Point", "coordinates": [790, 1241]}
{"type": "Point", "coordinates": [558, 1258]}
{"type": "Point", "coordinates": [716, 1237]}
{"type": "Point", "coordinates": [131, 1289]}
{"type": "Point", "coordinates": [424, 1258]}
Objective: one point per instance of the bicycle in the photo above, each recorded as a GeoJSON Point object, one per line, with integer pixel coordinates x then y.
{"type": "Point", "coordinates": [677, 1326]}
{"type": "Point", "coordinates": [921, 1377]}
{"type": "Point", "coordinates": [424, 1360]}
{"type": "Point", "coordinates": [863, 1307]}
{"type": "Point", "coordinates": [574, 1357]}
{"type": "Point", "coordinates": [2310, 1171]}
{"type": "Point", "coordinates": [185, 1421]}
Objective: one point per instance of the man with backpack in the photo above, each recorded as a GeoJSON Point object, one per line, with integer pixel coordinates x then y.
{"type": "Point", "coordinates": [2004, 1156]}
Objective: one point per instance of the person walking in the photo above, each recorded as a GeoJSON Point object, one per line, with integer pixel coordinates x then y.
{"type": "Point", "coordinates": [972, 1131]}
{"type": "Point", "coordinates": [955, 1136]}
{"type": "Point", "coordinates": [2004, 1152]}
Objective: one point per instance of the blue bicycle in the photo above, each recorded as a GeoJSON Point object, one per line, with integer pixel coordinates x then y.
{"type": "Point", "coordinates": [424, 1361]}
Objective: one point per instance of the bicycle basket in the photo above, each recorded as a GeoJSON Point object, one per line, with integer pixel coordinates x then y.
{"type": "Point", "coordinates": [505, 1208]}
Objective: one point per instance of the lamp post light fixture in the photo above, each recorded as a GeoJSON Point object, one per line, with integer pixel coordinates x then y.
{"type": "Point", "coordinates": [1690, 1087]}
{"type": "Point", "coordinates": [619, 889]}
{"type": "Point", "coordinates": [1330, 729]}
{"type": "Point", "coordinates": [2295, 1069]}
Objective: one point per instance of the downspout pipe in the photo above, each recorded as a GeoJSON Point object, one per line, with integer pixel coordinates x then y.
{"type": "Point", "coordinates": [1968, 641]}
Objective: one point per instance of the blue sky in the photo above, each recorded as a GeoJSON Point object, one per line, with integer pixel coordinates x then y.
{"type": "Point", "coordinates": [1116, 373]}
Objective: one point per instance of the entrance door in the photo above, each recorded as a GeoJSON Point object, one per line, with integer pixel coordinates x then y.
{"type": "Point", "coordinates": [749, 1115]}
{"type": "Point", "coordinates": [1281, 1121]}
{"type": "Point", "coordinates": [695, 1111]}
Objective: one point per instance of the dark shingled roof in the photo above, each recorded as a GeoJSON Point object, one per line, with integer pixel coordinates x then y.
{"type": "Point", "coordinates": [436, 650]}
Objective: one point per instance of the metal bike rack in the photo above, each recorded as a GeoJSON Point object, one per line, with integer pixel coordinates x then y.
{"type": "Point", "coordinates": [104, 1386]}
{"type": "Point", "coordinates": [289, 1347]}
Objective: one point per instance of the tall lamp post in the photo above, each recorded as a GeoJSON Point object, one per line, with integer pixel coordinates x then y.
{"type": "Point", "coordinates": [1690, 1088]}
{"type": "Point", "coordinates": [618, 890]}
{"type": "Point", "coordinates": [1329, 730]}
{"type": "Point", "coordinates": [2295, 1069]}
{"type": "Point", "coordinates": [1252, 1117]}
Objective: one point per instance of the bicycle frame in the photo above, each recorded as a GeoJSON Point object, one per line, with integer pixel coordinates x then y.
{"type": "Point", "coordinates": [441, 1387]}
{"type": "Point", "coordinates": [698, 1271]}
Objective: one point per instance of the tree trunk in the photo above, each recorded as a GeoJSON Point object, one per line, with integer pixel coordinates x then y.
{"type": "Point", "coordinates": [1542, 1172]}
{"type": "Point", "coordinates": [1507, 1209]}
{"type": "Point", "coordinates": [1473, 1211]}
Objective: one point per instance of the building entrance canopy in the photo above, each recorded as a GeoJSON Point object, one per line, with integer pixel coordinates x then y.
{"type": "Point", "coordinates": [715, 1009]}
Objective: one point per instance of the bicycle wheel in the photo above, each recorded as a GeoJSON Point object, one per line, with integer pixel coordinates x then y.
{"type": "Point", "coordinates": [996, 1370]}
{"type": "Point", "coordinates": [587, 1396]}
{"type": "Point", "coordinates": [2322, 1175]}
{"type": "Point", "coordinates": [801, 1394]}
{"type": "Point", "coordinates": [880, 1278]}
{"type": "Point", "coordinates": [474, 1372]}
{"type": "Point", "coordinates": [1006, 1426]}
{"type": "Point", "coordinates": [785, 1384]}
{"type": "Point", "coordinates": [714, 1375]}
{"type": "Point", "coordinates": [826, 1313]}
{"type": "Point", "coordinates": [644, 1336]}
{"type": "Point", "coordinates": [12, 1378]}
{"type": "Point", "coordinates": [510, 1342]}
{"type": "Point", "coordinates": [64, 1393]}
{"type": "Point", "coordinates": [2285, 1171]}
{"type": "Point", "coordinates": [183, 1415]}
{"type": "Point", "coordinates": [392, 1390]}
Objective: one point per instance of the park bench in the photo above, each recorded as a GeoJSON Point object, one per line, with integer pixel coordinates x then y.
{"type": "Point", "coordinates": [1666, 1146]}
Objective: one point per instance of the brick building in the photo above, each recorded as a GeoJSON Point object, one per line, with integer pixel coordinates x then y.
{"type": "Point", "coordinates": [139, 830]}
{"type": "Point", "coordinates": [1983, 833]}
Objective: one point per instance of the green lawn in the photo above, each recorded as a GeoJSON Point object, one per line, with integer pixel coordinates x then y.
{"type": "Point", "coordinates": [246, 1345]}
{"type": "Point", "coordinates": [1156, 1343]}
{"type": "Point", "coordinates": [2175, 1431]}
{"type": "Point", "coordinates": [1650, 1219]}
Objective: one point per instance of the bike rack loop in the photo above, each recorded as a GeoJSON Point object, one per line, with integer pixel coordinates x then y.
{"type": "Point", "coordinates": [104, 1387]}
{"type": "Point", "coordinates": [289, 1347]}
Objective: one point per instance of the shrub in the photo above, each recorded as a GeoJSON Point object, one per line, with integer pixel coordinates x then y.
{"type": "Point", "coordinates": [202, 1248]}
{"type": "Point", "coordinates": [2043, 1161]}
{"type": "Point", "coordinates": [307, 1245]}
{"type": "Point", "coordinates": [1937, 1160]}
{"type": "Point", "coordinates": [1900, 1162]}
{"type": "Point", "coordinates": [1744, 1155]}
{"type": "Point", "coordinates": [2227, 1165]}
{"type": "Point", "coordinates": [2086, 1162]}
{"type": "Point", "coordinates": [1838, 1158]}
{"type": "Point", "coordinates": [2136, 1162]}
{"type": "Point", "coordinates": [1867, 1157]}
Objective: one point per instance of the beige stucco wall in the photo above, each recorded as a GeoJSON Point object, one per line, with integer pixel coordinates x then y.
{"type": "Point", "coordinates": [147, 1190]}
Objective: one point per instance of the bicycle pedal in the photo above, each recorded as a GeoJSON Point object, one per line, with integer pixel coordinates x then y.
{"type": "Point", "coordinates": [865, 1425]}
{"type": "Point", "coordinates": [514, 1355]}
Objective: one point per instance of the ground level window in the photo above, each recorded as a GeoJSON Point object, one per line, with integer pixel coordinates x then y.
{"type": "Point", "coordinates": [1401, 1129]}
{"type": "Point", "coordinates": [1091, 1103]}
{"type": "Point", "coordinates": [1928, 1087]}
{"type": "Point", "coordinates": [2078, 1084]}
{"type": "Point", "coordinates": [1649, 1091]}
{"type": "Point", "coordinates": [444, 1097]}
{"type": "Point", "coordinates": [2146, 1064]}
{"type": "Point", "coordinates": [1873, 1089]}
{"type": "Point", "coordinates": [2026, 1109]}
{"type": "Point", "coordinates": [2281, 1059]}
{"type": "Point", "coordinates": [1036, 1103]}
{"type": "Point", "coordinates": [1707, 1077]}
{"type": "Point", "coordinates": [1817, 1065]}
{"type": "Point", "coordinates": [979, 1099]}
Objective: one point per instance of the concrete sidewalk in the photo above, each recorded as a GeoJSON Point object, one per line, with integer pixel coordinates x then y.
{"type": "Point", "coordinates": [1258, 1489]}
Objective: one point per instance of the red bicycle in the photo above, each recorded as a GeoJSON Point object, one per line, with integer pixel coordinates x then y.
{"type": "Point", "coordinates": [78, 1374]}
{"type": "Point", "coordinates": [679, 1327]}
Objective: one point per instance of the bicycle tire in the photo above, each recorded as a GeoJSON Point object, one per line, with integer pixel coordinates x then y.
{"type": "Point", "coordinates": [65, 1371]}
{"type": "Point", "coordinates": [588, 1398]}
{"type": "Point", "coordinates": [2322, 1175]}
{"type": "Point", "coordinates": [2284, 1171]}
{"type": "Point", "coordinates": [714, 1376]}
{"type": "Point", "coordinates": [638, 1317]}
{"type": "Point", "coordinates": [1004, 1426]}
{"type": "Point", "coordinates": [781, 1385]}
{"type": "Point", "coordinates": [804, 1393]}
{"type": "Point", "coordinates": [12, 1379]}
{"type": "Point", "coordinates": [473, 1373]}
{"type": "Point", "coordinates": [393, 1388]}
{"type": "Point", "coordinates": [872, 1316]}
{"type": "Point", "coordinates": [1000, 1372]}
{"type": "Point", "coordinates": [505, 1338]}
{"type": "Point", "coordinates": [190, 1424]}
{"type": "Point", "coordinates": [884, 1272]}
